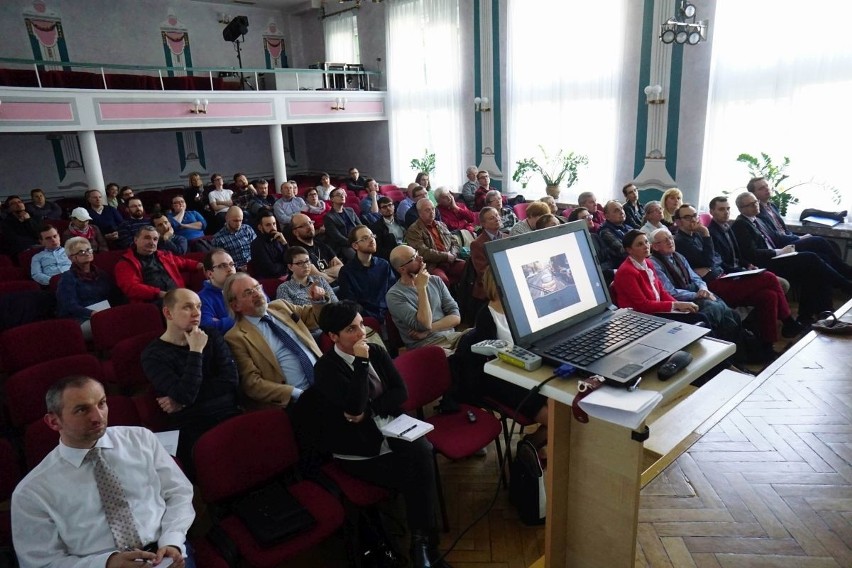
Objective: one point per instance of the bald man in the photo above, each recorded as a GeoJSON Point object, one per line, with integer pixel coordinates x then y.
{"type": "Point", "coordinates": [236, 237]}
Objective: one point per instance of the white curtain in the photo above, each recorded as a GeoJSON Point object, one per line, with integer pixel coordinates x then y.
{"type": "Point", "coordinates": [425, 88]}
{"type": "Point", "coordinates": [780, 83]}
{"type": "Point", "coordinates": [341, 38]}
{"type": "Point", "coordinates": [565, 64]}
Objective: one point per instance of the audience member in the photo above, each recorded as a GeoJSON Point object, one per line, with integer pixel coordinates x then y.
{"type": "Point", "coordinates": [613, 230]}
{"type": "Point", "coordinates": [356, 182]}
{"type": "Point", "coordinates": [370, 203]}
{"type": "Point", "coordinates": [243, 190]}
{"type": "Point", "coordinates": [288, 204]}
{"type": "Point", "coordinates": [781, 236]}
{"type": "Point", "coordinates": [417, 194]}
{"type": "Point", "coordinates": [51, 260]}
{"type": "Point", "coordinates": [457, 217]}
{"type": "Point", "coordinates": [406, 204]}
{"type": "Point", "coordinates": [420, 304]}
{"type": "Point", "coordinates": [58, 515]}
{"type": "Point", "coordinates": [302, 286]}
{"type": "Point", "coordinates": [79, 226]}
{"type": "Point", "coordinates": [366, 278]}
{"type": "Point", "coordinates": [271, 342]}
{"type": "Point", "coordinates": [389, 233]}
{"type": "Point", "coordinates": [145, 274]}
{"type": "Point", "coordinates": [534, 212]}
{"type": "Point", "coordinates": [633, 210]}
{"type": "Point", "coordinates": [218, 265]}
{"type": "Point", "coordinates": [588, 200]}
{"type": "Point", "coordinates": [422, 180]}
{"type": "Point", "coordinates": [672, 199]}
{"type": "Point", "coordinates": [259, 201]}
{"type": "Point", "coordinates": [338, 222]}
{"type": "Point", "coordinates": [112, 199]}
{"type": "Point", "coordinates": [220, 199]}
{"type": "Point", "coordinates": [483, 178]}
{"type": "Point", "coordinates": [508, 219]}
{"type": "Point", "coordinates": [236, 237]}
{"type": "Point", "coordinates": [607, 263]}
{"type": "Point", "coordinates": [653, 218]}
{"type": "Point", "coordinates": [169, 241]}
{"type": "Point", "coordinates": [193, 194]}
{"type": "Point", "coordinates": [316, 208]}
{"type": "Point", "coordinates": [20, 231]}
{"type": "Point", "coordinates": [636, 284]}
{"type": "Point", "coordinates": [762, 290]}
{"type": "Point", "coordinates": [83, 287]}
{"type": "Point", "coordinates": [39, 206]}
{"type": "Point", "coordinates": [489, 220]}
{"type": "Point", "coordinates": [106, 218]}
{"type": "Point", "coordinates": [468, 190]}
{"type": "Point", "coordinates": [187, 223]}
{"type": "Point", "coordinates": [359, 388]}
{"type": "Point", "coordinates": [554, 209]}
{"type": "Point", "coordinates": [549, 220]}
{"type": "Point", "coordinates": [136, 218]}
{"type": "Point", "coordinates": [124, 197]}
{"type": "Point", "coordinates": [815, 277]}
{"type": "Point", "coordinates": [322, 257]}
{"type": "Point", "coordinates": [325, 188]}
{"type": "Point", "coordinates": [269, 248]}
{"type": "Point", "coordinates": [434, 243]}
{"type": "Point", "coordinates": [193, 374]}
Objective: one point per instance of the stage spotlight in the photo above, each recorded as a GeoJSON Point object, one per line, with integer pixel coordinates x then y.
{"type": "Point", "coordinates": [238, 27]}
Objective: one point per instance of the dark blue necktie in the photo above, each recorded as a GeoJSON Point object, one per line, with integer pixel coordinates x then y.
{"type": "Point", "coordinates": [293, 346]}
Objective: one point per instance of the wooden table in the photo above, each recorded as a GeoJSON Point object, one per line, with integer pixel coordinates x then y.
{"type": "Point", "coordinates": [595, 470]}
{"type": "Point", "coordinates": [841, 232]}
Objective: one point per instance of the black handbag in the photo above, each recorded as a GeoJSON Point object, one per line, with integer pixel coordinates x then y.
{"type": "Point", "coordinates": [526, 484]}
{"type": "Point", "coordinates": [272, 514]}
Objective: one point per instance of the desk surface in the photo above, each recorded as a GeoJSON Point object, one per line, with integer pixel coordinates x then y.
{"type": "Point", "coordinates": [706, 353]}
{"type": "Point", "coordinates": [839, 231]}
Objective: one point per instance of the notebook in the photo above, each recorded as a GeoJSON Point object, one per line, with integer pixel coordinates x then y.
{"type": "Point", "coordinates": [554, 294]}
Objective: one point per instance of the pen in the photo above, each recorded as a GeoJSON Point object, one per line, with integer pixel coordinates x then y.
{"type": "Point", "coordinates": [407, 430]}
{"type": "Point", "coordinates": [635, 385]}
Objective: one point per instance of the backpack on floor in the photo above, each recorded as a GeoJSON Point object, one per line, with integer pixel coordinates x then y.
{"type": "Point", "coordinates": [526, 484]}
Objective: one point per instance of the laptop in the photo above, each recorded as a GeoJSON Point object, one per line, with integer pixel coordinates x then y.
{"type": "Point", "coordinates": [558, 306]}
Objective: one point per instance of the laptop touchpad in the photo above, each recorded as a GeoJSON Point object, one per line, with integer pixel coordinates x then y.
{"type": "Point", "coordinates": [639, 354]}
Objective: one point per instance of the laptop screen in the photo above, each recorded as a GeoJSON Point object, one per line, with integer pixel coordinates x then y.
{"type": "Point", "coordinates": [549, 280]}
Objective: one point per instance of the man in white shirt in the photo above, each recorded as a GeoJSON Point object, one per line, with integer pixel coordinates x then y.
{"type": "Point", "coordinates": [219, 197]}
{"type": "Point", "coordinates": [58, 515]}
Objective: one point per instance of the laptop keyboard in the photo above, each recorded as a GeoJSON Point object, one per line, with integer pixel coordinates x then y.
{"type": "Point", "coordinates": [594, 343]}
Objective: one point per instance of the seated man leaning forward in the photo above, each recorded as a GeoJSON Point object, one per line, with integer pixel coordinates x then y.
{"type": "Point", "coordinates": [433, 241]}
{"type": "Point", "coordinates": [271, 342]}
{"type": "Point", "coordinates": [68, 510]}
{"type": "Point", "coordinates": [218, 265]}
{"type": "Point", "coordinates": [145, 274]}
{"type": "Point", "coordinates": [420, 304]}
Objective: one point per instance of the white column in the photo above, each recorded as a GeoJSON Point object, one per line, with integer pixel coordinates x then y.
{"type": "Point", "coordinates": [279, 160]}
{"type": "Point", "coordinates": [91, 159]}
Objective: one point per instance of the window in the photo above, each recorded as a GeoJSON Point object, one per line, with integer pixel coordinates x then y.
{"type": "Point", "coordinates": [341, 39]}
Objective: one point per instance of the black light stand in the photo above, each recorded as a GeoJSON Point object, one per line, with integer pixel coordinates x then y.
{"type": "Point", "coordinates": [238, 27]}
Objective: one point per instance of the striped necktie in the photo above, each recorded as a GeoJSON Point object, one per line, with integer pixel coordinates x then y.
{"type": "Point", "coordinates": [293, 346]}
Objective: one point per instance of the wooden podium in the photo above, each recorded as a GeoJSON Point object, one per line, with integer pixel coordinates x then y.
{"type": "Point", "coordinates": [595, 470]}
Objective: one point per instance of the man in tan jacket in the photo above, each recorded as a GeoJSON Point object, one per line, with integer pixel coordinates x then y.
{"type": "Point", "coordinates": [271, 342]}
{"type": "Point", "coordinates": [434, 243]}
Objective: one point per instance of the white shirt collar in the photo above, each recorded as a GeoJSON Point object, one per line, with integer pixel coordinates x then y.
{"type": "Point", "coordinates": [75, 456]}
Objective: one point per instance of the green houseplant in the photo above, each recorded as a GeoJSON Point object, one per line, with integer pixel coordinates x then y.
{"type": "Point", "coordinates": [774, 173]}
{"type": "Point", "coordinates": [425, 164]}
{"type": "Point", "coordinates": [555, 170]}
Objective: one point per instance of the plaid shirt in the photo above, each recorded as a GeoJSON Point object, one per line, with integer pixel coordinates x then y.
{"type": "Point", "coordinates": [237, 244]}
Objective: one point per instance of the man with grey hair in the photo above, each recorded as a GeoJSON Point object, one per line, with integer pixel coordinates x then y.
{"type": "Point", "coordinates": [434, 243]}
{"type": "Point", "coordinates": [271, 341]}
{"type": "Point", "coordinates": [288, 204]}
{"type": "Point", "coordinates": [455, 216]}
{"type": "Point", "coordinates": [508, 219]}
{"type": "Point", "coordinates": [587, 199]}
{"type": "Point", "coordinates": [468, 190]}
{"type": "Point", "coordinates": [110, 497]}
{"type": "Point", "coordinates": [411, 215]}
{"type": "Point", "coordinates": [420, 303]}
{"type": "Point", "coordinates": [489, 220]}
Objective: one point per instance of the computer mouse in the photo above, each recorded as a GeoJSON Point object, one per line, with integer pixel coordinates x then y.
{"type": "Point", "coordinates": [676, 361]}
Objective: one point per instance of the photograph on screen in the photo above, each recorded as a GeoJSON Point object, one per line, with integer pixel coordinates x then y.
{"type": "Point", "coordinates": [550, 284]}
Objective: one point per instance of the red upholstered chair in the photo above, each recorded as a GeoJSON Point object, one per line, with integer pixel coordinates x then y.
{"type": "Point", "coordinates": [706, 219]}
{"type": "Point", "coordinates": [521, 210]}
{"type": "Point", "coordinates": [384, 189]}
{"type": "Point", "coordinates": [395, 195]}
{"type": "Point", "coordinates": [8, 273]}
{"type": "Point", "coordinates": [121, 322]}
{"type": "Point", "coordinates": [124, 365]}
{"type": "Point", "coordinates": [152, 416]}
{"type": "Point", "coordinates": [270, 286]}
{"type": "Point", "coordinates": [25, 258]}
{"type": "Point", "coordinates": [9, 286]}
{"type": "Point", "coordinates": [106, 260]}
{"type": "Point", "coordinates": [40, 341]}
{"type": "Point", "coordinates": [6, 260]}
{"type": "Point", "coordinates": [232, 460]}
{"type": "Point", "coordinates": [10, 475]}
{"type": "Point", "coordinates": [426, 373]}
{"type": "Point", "coordinates": [206, 554]}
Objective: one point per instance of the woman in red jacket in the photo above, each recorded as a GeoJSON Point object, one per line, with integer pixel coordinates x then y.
{"type": "Point", "coordinates": [637, 286]}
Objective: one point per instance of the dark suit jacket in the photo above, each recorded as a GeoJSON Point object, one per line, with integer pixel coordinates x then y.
{"type": "Point", "coordinates": [344, 389]}
{"type": "Point", "coordinates": [336, 233]}
{"type": "Point", "coordinates": [723, 249]}
{"type": "Point", "coordinates": [783, 237]}
{"type": "Point", "coordinates": [751, 243]}
{"type": "Point", "coordinates": [385, 241]}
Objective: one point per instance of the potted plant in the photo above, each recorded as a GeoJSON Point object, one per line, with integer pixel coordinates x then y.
{"type": "Point", "coordinates": [425, 164]}
{"type": "Point", "coordinates": [773, 173]}
{"type": "Point", "coordinates": [555, 170]}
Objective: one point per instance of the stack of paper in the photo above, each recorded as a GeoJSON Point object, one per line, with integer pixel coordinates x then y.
{"type": "Point", "coordinates": [406, 427]}
{"type": "Point", "coordinates": [621, 406]}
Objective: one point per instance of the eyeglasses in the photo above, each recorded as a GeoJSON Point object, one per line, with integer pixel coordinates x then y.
{"type": "Point", "coordinates": [309, 223]}
{"type": "Point", "coordinates": [410, 260]}
{"type": "Point", "coordinates": [301, 263]}
{"type": "Point", "coordinates": [225, 266]}
{"type": "Point", "coordinates": [84, 251]}
{"type": "Point", "coordinates": [249, 292]}
{"type": "Point", "coordinates": [366, 238]}
{"type": "Point", "coordinates": [688, 217]}
{"type": "Point", "coordinates": [386, 206]}
{"type": "Point", "coordinates": [750, 203]}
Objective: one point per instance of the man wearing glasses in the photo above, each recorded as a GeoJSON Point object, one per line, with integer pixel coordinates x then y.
{"type": "Point", "coordinates": [366, 278]}
{"type": "Point", "coordinates": [389, 233]}
{"type": "Point", "coordinates": [218, 265]}
{"type": "Point", "coordinates": [271, 342]}
{"type": "Point", "coordinates": [815, 277]}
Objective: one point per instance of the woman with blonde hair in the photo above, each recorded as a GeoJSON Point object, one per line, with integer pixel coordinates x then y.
{"type": "Point", "coordinates": [672, 199]}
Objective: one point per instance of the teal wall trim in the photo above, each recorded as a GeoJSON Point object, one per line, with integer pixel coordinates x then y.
{"type": "Point", "coordinates": [674, 109]}
{"type": "Point", "coordinates": [496, 105]}
{"type": "Point", "coordinates": [170, 73]}
{"type": "Point", "coordinates": [181, 151]}
{"type": "Point", "coordinates": [477, 82]}
{"type": "Point", "coordinates": [648, 37]}
{"type": "Point", "coordinates": [188, 56]}
{"type": "Point", "coordinates": [57, 155]}
{"type": "Point", "coordinates": [199, 144]}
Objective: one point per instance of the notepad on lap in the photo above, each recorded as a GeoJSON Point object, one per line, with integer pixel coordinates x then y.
{"type": "Point", "coordinates": [406, 427]}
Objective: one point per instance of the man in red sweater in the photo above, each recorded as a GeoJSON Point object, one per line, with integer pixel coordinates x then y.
{"type": "Point", "coordinates": [145, 274]}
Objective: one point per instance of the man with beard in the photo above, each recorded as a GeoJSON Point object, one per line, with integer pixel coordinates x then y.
{"type": "Point", "coordinates": [322, 257]}
{"type": "Point", "coordinates": [269, 248]}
